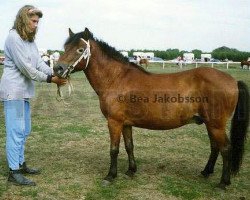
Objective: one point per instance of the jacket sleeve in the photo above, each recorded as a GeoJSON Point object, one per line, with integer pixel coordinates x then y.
{"type": "Point", "coordinates": [21, 59]}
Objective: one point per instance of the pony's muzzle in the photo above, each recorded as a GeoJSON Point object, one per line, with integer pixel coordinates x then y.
{"type": "Point", "coordinates": [60, 69]}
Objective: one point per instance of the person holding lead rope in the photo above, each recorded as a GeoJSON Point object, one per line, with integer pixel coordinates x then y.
{"type": "Point", "coordinates": [22, 66]}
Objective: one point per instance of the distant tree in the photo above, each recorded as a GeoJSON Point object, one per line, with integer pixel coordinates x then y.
{"type": "Point", "coordinates": [224, 52]}
{"type": "Point", "coordinates": [197, 53]}
{"type": "Point", "coordinates": [174, 53]}
{"type": "Point", "coordinates": [50, 52]}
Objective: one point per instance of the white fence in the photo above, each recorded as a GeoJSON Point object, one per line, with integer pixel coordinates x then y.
{"type": "Point", "coordinates": [181, 64]}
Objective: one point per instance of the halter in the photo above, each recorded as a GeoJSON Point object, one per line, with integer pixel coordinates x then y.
{"type": "Point", "coordinates": [86, 55]}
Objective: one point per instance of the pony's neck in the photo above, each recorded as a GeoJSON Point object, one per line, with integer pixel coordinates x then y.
{"type": "Point", "coordinates": [103, 71]}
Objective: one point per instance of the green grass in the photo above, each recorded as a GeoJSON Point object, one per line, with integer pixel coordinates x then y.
{"type": "Point", "coordinates": [71, 146]}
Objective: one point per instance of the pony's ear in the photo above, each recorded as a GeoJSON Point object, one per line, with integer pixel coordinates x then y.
{"type": "Point", "coordinates": [86, 30]}
{"type": "Point", "coordinates": [87, 33]}
{"type": "Point", "coordinates": [71, 33]}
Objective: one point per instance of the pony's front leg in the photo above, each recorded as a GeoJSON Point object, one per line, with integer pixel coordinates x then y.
{"type": "Point", "coordinates": [115, 129]}
{"type": "Point", "coordinates": [128, 140]}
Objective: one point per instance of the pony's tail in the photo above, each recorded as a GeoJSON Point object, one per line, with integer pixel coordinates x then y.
{"type": "Point", "coordinates": [239, 127]}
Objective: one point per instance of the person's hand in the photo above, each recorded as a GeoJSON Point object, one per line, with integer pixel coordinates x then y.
{"type": "Point", "coordinates": [59, 81]}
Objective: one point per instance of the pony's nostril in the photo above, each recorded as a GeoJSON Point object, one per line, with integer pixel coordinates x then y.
{"type": "Point", "coordinates": [60, 68]}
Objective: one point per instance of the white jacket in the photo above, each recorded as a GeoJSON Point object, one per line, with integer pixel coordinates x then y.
{"type": "Point", "coordinates": [22, 65]}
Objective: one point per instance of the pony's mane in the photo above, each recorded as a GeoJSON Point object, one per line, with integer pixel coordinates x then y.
{"type": "Point", "coordinates": [108, 50]}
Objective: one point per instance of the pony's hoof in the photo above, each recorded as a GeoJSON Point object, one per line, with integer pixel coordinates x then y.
{"type": "Point", "coordinates": [221, 186]}
{"type": "Point", "coordinates": [130, 173]}
{"type": "Point", "coordinates": [107, 180]}
{"type": "Point", "coordinates": [205, 174]}
{"type": "Point", "coordinates": [106, 183]}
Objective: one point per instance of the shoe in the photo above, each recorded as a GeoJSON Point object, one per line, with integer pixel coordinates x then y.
{"type": "Point", "coordinates": [16, 177]}
{"type": "Point", "coordinates": [26, 170]}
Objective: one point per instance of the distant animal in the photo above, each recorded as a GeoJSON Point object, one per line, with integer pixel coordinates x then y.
{"type": "Point", "coordinates": [244, 62]}
{"type": "Point", "coordinates": [144, 61]}
{"type": "Point", "coordinates": [130, 97]}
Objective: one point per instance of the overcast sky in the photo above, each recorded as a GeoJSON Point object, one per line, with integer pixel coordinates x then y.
{"type": "Point", "coordinates": [139, 24]}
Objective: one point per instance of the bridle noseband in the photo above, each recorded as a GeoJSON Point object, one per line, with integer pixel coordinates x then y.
{"type": "Point", "coordinates": [86, 55]}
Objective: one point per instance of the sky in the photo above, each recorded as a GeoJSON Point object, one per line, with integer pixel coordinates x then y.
{"type": "Point", "coordinates": [139, 24]}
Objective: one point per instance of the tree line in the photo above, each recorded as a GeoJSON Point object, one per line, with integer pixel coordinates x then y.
{"type": "Point", "coordinates": [221, 53]}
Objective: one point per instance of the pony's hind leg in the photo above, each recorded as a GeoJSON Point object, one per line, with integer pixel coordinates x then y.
{"type": "Point", "coordinates": [128, 140]}
{"type": "Point", "coordinates": [209, 168]}
{"type": "Point", "coordinates": [115, 129]}
{"type": "Point", "coordinates": [221, 140]}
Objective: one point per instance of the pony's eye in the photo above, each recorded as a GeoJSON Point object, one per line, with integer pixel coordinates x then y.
{"type": "Point", "coordinates": [80, 50]}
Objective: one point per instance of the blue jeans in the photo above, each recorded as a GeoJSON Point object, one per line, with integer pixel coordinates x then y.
{"type": "Point", "coordinates": [18, 127]}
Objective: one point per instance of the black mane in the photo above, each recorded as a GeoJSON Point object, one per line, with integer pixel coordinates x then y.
{"type": "Point", "coordinates": [108, 50]}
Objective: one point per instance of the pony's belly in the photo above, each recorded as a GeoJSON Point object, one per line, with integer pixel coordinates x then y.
{"type": "Point", "coordinates": [158, 117]}
{"type": "Point", "coordinates": [157, 127]}
{"type": "Point", "coordinates": [157, 124]}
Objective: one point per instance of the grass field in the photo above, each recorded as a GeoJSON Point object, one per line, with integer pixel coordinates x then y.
{"type": "Point", "coordinates": [71, 146]}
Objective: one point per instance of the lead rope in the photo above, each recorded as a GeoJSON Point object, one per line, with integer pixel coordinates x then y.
{"type": "Point", "coordinates": [60, 96]}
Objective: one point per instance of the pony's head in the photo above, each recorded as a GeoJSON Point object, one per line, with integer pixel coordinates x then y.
{"type": "Point", "coordinates": [76, 55]}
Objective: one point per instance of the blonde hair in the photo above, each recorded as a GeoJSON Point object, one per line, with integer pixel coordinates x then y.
{"type": "Point", "coordinates": [21, 23]}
